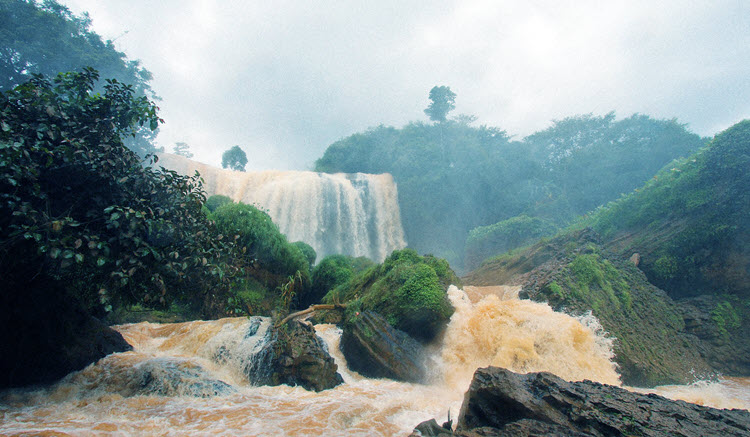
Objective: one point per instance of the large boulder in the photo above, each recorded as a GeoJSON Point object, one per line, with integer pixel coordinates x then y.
{"type": "Point", "coordinates": [500, 402]}
{"type": "Point", "coordinates": [299, 357]}
{"type": "Point", "coordinates": [46, 334]}
{"type": "Point", "coordinates": [375, 349]}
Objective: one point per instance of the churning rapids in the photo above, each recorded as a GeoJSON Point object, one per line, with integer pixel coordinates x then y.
{"type": "Point", "coordinates": [490, 327]}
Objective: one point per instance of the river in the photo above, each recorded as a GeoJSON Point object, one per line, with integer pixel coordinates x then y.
{"type": "Point", "coordinates": [490, 327]}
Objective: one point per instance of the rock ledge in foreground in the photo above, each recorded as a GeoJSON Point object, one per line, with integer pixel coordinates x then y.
{"type": "Point", "coordinates": [502, 403]}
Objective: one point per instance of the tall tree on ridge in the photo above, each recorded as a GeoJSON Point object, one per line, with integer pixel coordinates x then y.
{"type": "Point", "coordinates": [181, 148]}
{"type": "Point", "coordinates": [443, 100]}
{"type": "Point", "coordinates": [234, 159]}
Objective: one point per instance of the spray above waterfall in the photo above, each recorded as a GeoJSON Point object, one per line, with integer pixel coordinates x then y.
{"type": "Point", "coordinates": [352, 214]}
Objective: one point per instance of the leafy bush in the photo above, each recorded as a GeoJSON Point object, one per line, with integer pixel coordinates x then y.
{"type": "Point", "coordinates": [80, 210]}
{"type": "Point", "coordinates": [265, 248]}
{"type": "Point", "coordinates": [217, 200]}
{"type": "Point", "coordinates": [308, 251]}
{"type": "Point", "coordinates": [333, 271]}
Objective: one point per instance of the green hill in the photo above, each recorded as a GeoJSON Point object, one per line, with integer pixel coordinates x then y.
{"type": "Point", "coordinates": [453, 177]}
{"type": "Point", "coordinates": [685, 232]}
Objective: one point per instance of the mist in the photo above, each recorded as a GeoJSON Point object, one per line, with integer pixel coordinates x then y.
{"type": "Point", "coordinates": [285, 81]}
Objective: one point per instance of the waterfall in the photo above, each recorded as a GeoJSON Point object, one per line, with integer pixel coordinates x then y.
{"type": "Point", "coordinates": [352, 214]}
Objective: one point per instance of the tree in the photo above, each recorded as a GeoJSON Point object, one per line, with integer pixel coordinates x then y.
{"type": "Point", "coordinates": [443, 100]}
{"type": "Point", "coordinates": [234, 159]}
{"type": "Point", "coordinates": [44, 37]}
{"type": "Point", "coordinates": [81, 212]}
{"type": "Point", "coordinates": [182, 149]}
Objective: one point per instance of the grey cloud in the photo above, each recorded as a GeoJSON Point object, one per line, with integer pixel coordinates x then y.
{"type": "Point", "coordinates": [285, 79]}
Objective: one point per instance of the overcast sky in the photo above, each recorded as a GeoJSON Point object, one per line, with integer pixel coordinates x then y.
{"type": "Point", "coordinates": [284, 79]}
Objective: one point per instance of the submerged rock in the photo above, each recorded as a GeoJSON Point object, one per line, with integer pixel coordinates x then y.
{"type": "Point", "coordinates": [174, 377]}
{"type": "Point", "coordinates": [500, 402]}
{"type": "Point", "coordinates": [375, 349]}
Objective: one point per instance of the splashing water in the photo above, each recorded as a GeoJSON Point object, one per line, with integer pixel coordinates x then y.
{"type": "Point", "coordinates": [352, 214]}
{"type": "Point", "coordinates": [490, 329]}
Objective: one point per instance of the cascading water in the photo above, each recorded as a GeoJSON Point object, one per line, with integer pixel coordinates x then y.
{"type": "Point", "coordinates": [129, 393]}
{"type": "Point", "coordinates": [353, 214]}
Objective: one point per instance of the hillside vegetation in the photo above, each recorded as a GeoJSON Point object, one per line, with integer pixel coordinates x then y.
{"type": "Point", "coordinates": [453, 177]}
{"type": "Point", "coordinates": [684, 232]}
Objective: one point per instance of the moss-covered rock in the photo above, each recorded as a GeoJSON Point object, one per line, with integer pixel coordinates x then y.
{"type": "Point", "coordinates": [409, 290]}
{"type": "Point", "coordinates": [333, 271]}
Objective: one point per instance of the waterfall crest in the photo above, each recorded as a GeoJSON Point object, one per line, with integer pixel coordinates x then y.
{"type": "Point", "coordinates": [352, 214]}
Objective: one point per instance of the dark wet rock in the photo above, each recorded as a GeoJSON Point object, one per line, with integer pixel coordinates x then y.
{"type": "Point", "coordinates": [45, 334]}
{"type": "Point", "coordinates": [430, 428]}
{"type": "Point", "coordinates": [173, 377]}
{"type": "Point", "coordinates": [375, 349]}
{"type": "Point", "coordinates": [727, 350]}
{"type": "Point", "coordinates": [517, 404]}
{"type": "Point", "coordinates": [297, 356]}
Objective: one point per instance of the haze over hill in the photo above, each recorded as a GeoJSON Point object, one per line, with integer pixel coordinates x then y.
{"type": "Point", "coordinates": [285, 80]}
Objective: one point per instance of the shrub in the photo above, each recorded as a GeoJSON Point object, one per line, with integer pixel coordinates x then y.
{"type": "Point", "coordinates": [307, 251]}
{"type": "Point", "coordinates": [265, 247]}
{"type": "Point", "coordinates": [80, 210]}
{"type": "Point", "coordinates": [215, 201]}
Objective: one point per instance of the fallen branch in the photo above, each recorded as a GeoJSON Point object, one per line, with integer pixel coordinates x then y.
{"type": "Point", "coordinates": [311, 309]}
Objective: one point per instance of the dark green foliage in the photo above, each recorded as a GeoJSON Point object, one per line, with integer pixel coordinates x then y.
{"type": "Point", "coordinates": [453, 178]}
{"type": "Point", "coordinates": [473, 177]}
{"type": "Point", "coordinates": [592, 160]}
{"type": "Point", "coordinates": [234, 159]}
{"type": "Point", "coordinates": [690, 222]}
{"type": "Point", "coordinates": [271, 257]}
{"type": "Point", "coordinates": [407, 289]}
{"type": "Point", "coordinates": [333, 271]}
{"type": "Point", "coordinates": [46, 38]}
{"type": "Point", "coordinates": [485, 241]}
{"type": "Point", "coordinates": [215, 201]}
{"type": "Point", "coordinates": [80, 210]}
{"type": "Point", "coordinates": [442, 101]}
{"type": "Point", "coordinates": [308, 251]}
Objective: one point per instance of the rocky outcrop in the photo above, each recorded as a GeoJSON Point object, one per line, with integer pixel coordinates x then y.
{"type": "Point", "coordinates": [45, 334]}
{"type": "Point", "coordinates": [375, 349]}
{"type": "Point", "coordinates": [718, 322]}
{"type": "Point", "coordinates": [298, 357]}
{"type": "Point", "coordinates": [502, 403]}
{"type": "Point", "coordinates": [575, 274]}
